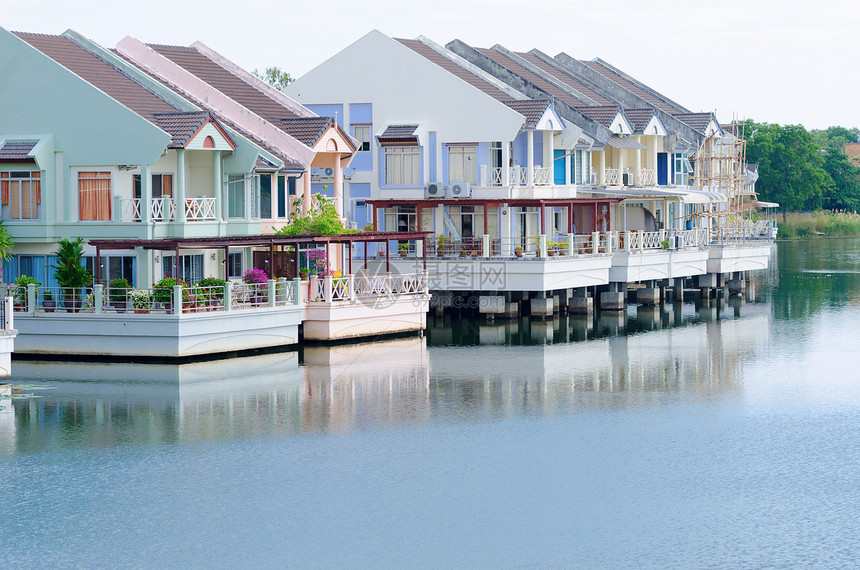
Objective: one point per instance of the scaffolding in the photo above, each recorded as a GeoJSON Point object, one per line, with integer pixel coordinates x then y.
{"type": "Point", "coordinates": [720, 166]}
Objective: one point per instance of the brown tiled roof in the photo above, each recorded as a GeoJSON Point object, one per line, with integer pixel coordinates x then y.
{"type": "Point", "coordinates": [639, 118]}
{"type": "Point", "coordinates": [603, 115]}
{"type": "Point", "coordinates": [456, 70]}
{"type": "Point", "coordinates": [99, 73]}
{"type": "Point", "coordinates": [697, 121]}
{"type": "Point", "coordinates": [17, 151]}
{"type": "Point", "coordinates": [531, 77]}
{"type": "Point", "coordinates": [398, 132]}
{"type": "Point", "coordinates": [306, 130]}
{"type": "Point", "coordinates": [632, 87]}
{"type": "Point", "coordinates": [289, 163]}
{"type": "Point", "coordinates": [565, 78]}
{"type": "Point", "coordinates": [226, 82]}
{"type": "Point", "coordinates": [181, 125]}
{"type": "Point", "coordinates": [531, 109]}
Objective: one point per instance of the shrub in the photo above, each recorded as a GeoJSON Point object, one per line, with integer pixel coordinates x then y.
{"type": "Point", "coordinates": [162, 292]}
{"type": "Point", "coordinates": [118, 290]}
{"type": "Point", "coordinates": [255, 276]}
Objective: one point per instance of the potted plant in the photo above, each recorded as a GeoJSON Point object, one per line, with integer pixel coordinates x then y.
{"type": "Point", "coordinates": [303, 273]}
{"type": "Point", "coordinates": [403, 248]}
{"type": "Point", "coordinates": [665, 244]}
{"type": "Point", "coordinates": [48, 302]}
{"type": "Point", "coordinates": [211, 292]}
{"type": "Point", "coordinates": [162, 292]}
{"type": "Point", "coordinates": [442, 244]}
{"type": "Point", "coordinates": [256, 278]}
{"type": "Point", "coordinates": [141, 299]}
{"type": "Point", "coordinates": [518, 251]}
{"type": "Point", "coordinates": [21, 289]}
{"type": "Point", "coordinates": [118, 293]}
{"type": "Point", "coordinates": [70, 274]}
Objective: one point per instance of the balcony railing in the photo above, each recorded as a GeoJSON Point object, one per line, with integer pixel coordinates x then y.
{"type": "Point", "coordinates": [352, 288]}
{"type": "Point", "coordinates": [647, 177]}
{"type": "Point", "coordinates": [164, 209]}
{"type": "Point", "coordinates": [517, 176]}
{"type": "Point", "coordinates": [613, 177]}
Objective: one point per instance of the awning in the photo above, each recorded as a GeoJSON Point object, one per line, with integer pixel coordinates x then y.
{"type": "Point", "coordinates": [625, 143]}
{"type": "Point", "coordinates": [685, 196]}
{"type": "Point", "coordinates": [768, 205]}
{"type": "Point", "coordinates": [399, 134]}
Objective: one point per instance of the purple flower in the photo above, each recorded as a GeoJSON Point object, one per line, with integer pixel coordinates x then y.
{"type": "Point", "coordinates": [255, 276]}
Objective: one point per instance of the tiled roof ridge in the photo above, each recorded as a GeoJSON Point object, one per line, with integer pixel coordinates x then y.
{"type": "Point", "coordinates": [120, 71]}
{"type": "Point", "coordinates": [253, 81]}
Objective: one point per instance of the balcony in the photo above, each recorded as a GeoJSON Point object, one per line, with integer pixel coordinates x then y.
{"type": "Point", "coordinates": [164, 209]}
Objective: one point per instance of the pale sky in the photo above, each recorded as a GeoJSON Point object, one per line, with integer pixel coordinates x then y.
{"type": "Point", "coordinates": [780, 61]}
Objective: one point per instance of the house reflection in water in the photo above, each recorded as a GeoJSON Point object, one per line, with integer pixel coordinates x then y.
{"type": "Point", "coordinates": [389, 383]}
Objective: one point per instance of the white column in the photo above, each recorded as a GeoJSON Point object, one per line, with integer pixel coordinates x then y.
{"type": "Point", "coordinates": [638, 163]}
{"type": "Point", "coordinates": [530, 158]}
{"type": "Point", "coordinates": [567, 167]}
{"type": "Point", "coordinates": [217, 183]}
{"type": "Point", "coordinates": [146, 194]}
{"type": "Point", "coordinates": [306, 191]}
{"type": "Point", "coordinates": [179, 190]}
{"type": "Point", "coordinates": [549, 153]}
{"type": "Point", "coordinates": [506, 162]}
{"type": "Point", "coordinates": [338, 186]}
{"type": "Point", "coordinates": [601, 174]}
{"type": "Point", "coordinates": [273, 196]}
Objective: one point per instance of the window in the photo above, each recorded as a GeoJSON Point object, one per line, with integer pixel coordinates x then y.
{"type": "Point", "coordinates": [234, 264]}
{"type": "Point", "coordinates": [362, 133]}
{"type": "Point", "coordinates": [162, 185]}
{"type": "Point", "coordinates": [264, 183]}
{"type": "Point", "coordinates": [463, 164]}
{"type": "Point", "coordinates": [21, 195]}
{"type": "Point", "coordinates": [683, 170]}
{"type": "Point", "coordinates": [112, 267]}
{"type": "Point", "coordinates": [94, 196]}
{"type": "Point", "coordinates": [190, 267]}
{"type": "Point", "coordinates": [402, 166]}
{"type": "Point", "coordinates": [235, 196]}
{"type": "Point", "coordinates": [282, 196]}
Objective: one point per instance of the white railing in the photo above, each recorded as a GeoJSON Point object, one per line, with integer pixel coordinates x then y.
{"type": "Point", "coordinates": [194, 299]}
{"type": "Point", "coordinates": [647, 177]}
{"type": "Point", "coordinates": [652, 240]}
{"type": "Point", "coordinates": [197, 209]}
{"type": "Point", "coordinates": [517, 176]}
{"type": "Point", "coordinates": [613, 177]}
{"type": "Point", "coordinates": [758, 231]}
{"type": "Point", "coordinates": [543, 175]}
{"type": "Point", "coordinates": [351, 288]}
{"type": "Point", "coordinates": [592, 179]}
{"type": "Point", "coordinates": [129, 209]}
{"type": "Point", "coordinates": [162, 209]}
{"type": "Point", "coordinates": [494, 177]}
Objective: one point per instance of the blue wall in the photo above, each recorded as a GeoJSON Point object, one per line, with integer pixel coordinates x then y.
{"type": "Point", "coordinates": [360, 113]}
{"type": "Point", "coordinates": [431, 175]}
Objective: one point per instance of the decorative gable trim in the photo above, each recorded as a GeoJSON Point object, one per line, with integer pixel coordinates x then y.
{"type": "Point", "coordinates": [220, 140]}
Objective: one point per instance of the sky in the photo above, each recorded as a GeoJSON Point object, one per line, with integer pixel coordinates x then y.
{"type": "Point", "coordinates": [786, 61]}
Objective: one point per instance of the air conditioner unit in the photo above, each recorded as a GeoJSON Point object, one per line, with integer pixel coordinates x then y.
{"type": "Point", "coordinates": [327, 172]}
{"type": "Point", "coordinates": [460, 190]}
{"type": "Point", "coordinates": [435, 190]}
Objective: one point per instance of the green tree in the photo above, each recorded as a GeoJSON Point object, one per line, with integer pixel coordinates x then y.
{"type": "Point", "coordinates": [790, 165]}
{"type": "Point", "coordinates": [7, 242]}
{"type": "Point", "coordinates": [275, 77]}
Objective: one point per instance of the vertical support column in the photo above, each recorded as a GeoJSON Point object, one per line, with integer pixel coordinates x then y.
{"type": "Point", "coordinates": [177, 299]}
{"type": "Point", "coordinates": [595, 243]}
{"type": "Point", "coordinates": [297, 291]}
{"type": "Point", "coordinates": [306, 191]}
{"type": "Point", "coordinates": [146, 195]}
{"type": "Point", "coordinates": [530, 158]}
{"type": "Point", "coordinates": [8, 312]}
{"type": "Point", "coordinates": [506, 163]}
{"type": "Point", "coordinates": [549, 154]}
{"type": "Point", "coordinates": [31, 298]}
{"type": "Point", "coordinates": [338, 186]}
{"type": "Point", "coordinates": [228, 296]}
{"type": "Point", "coordinates": [601, 165]}
{"type": "Point", "coordinates": [638, 164]}
{"type": "Point", "coordinates": [485, 245]}
{"type": "Point", "coordinates": [98, 298]}
{"type": "Point", "coordinates": [542, 245]}
{"type": "Point", "coordinates": [179, 190]}
{"type": "Point", "coordinates": [217, 184]}
{"type": "Point", "coordinates": [272, 292]}
{"type": "Point", "coordinates": [567, 168]}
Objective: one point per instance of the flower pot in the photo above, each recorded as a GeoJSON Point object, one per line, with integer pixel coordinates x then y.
{"type": "Point", "coordinates": [141, 311]}
{"type": "Point", "coordinates": [518, 253]}
{"type": "Point", "coordinates": [72, 305]}
{"type": "Point", "coordinates": [49, 305]}
{"type": "Point", "coordinates": [119, 306]}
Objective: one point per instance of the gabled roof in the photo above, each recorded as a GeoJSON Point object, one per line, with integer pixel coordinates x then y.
{"type": "Point", "coordinates": [632, 86]}
{"type": "Point", "coordinates": [119, 85]}
{"type": "Point", "coordinates": [565, 78]}
{"type": "Point", "coordinates": [639, 118]}
{"type": "Point", "coordinates": [531, 109]}
{"type": "Point", "coordinates": [183, 126]}
{"type": "Point", "coordinates": [458, 71]}
{"type": "Point", "coordinates": [17, 151]}
{"type": "Point", "coordinates": [225, 81]}
{"type": "Point", "coordinates": [99, 73]}
{"type": "Point", "coordinates": [306, 130]}
{"type": "Point", "coordinates": [538, 81]}
{"type": "Point", "coordinates": [697, 121]}
{"type": "Point", "coordinates": [603, 115]}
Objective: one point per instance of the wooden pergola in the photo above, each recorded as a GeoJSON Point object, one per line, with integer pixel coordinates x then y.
{"type": "Point", "coordinates": [274, 244]}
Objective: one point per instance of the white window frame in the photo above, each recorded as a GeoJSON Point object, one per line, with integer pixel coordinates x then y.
{"type": "Point", "coordinates": [361, 132]}
{"type": "Point", "coordinates": [463, 163]}
{"type": "Point", "coordinates": [402, 165]}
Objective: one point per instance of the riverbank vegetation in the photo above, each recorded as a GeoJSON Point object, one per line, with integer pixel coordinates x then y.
{"type": "Point", "coordinates": [823, 223]}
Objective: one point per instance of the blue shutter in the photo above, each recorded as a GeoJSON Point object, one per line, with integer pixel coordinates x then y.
{"type": "Point", "coordinates": [558, 166]}
{"type": "Point", "coordinates": [662, 168]}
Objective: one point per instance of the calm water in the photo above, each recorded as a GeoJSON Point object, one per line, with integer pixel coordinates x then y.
{"type": "Point", "coordinates": [698, 436]}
